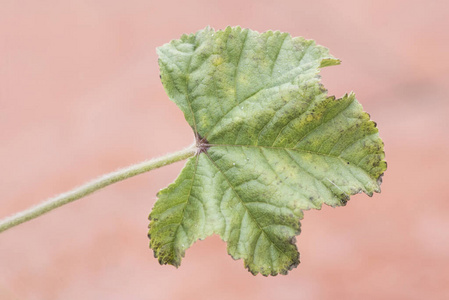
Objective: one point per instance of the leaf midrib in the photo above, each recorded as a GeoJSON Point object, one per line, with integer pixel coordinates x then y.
{"type": "Point", "coordinates": [186, 203]}
{"type": "Point", "coordinates": [244, 205]}
{"type": "Point", "coordinates": [299, 150]}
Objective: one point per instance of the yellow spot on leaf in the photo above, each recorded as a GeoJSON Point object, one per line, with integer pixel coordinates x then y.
{"type": "Point", "coordinates": [217, 61]}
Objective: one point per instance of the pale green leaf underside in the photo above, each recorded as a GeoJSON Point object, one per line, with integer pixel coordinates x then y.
{"type": "Point", "coordinates": [274, 144]}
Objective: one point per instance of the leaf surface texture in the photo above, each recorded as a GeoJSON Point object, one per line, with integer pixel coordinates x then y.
{"type": "Point", "coordinates": [271, 142]}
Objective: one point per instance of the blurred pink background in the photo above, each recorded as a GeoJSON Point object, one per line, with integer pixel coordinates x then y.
{"type": "Point", "coordinates": [80, 96]}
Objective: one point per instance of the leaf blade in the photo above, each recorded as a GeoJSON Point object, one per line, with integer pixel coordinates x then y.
{"type": "Point", "coordinates": [272, 143]}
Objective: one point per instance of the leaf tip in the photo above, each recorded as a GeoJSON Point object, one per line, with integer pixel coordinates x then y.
{"type": "Point", "coordinates": [328, 62]}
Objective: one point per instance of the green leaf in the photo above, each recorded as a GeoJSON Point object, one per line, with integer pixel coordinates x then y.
{"type": "Point", "coordinates": [271, 144]}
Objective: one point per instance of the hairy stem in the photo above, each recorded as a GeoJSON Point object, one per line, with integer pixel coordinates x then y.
{"type": "Point", "coordinates": [95, 185]}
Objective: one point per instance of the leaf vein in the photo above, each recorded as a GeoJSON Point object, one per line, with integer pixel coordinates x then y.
{"type": "Point", "coordinates": [243, 204]}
